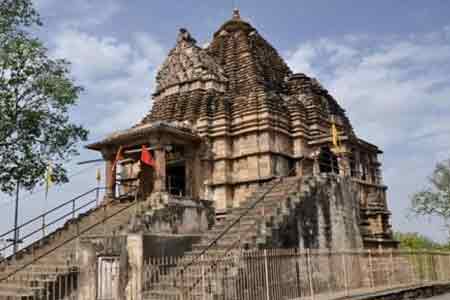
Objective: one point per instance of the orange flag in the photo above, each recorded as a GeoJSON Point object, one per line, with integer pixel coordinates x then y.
{"type": "Point", "coordinates": [146, 157]}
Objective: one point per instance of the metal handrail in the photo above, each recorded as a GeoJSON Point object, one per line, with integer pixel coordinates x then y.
{"type": "Point", "coordinates": [44, 225]}
{"type": "Point", "coordinates": [48, 212]}
{"type": "Point", "coordinates": [102, 221]}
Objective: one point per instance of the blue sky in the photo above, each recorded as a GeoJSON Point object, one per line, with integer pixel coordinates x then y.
{"type": "Point", "coordinates": [386, 62]}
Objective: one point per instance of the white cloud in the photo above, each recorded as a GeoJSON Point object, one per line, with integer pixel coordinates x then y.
{"type": "Point", "coordinates": [78, 13]}
{"type": "Point", "coordinates": [91, 57]}
{"type": "Point", "coordinates": [396, 91]}
{"type": "Point", "coordinates": [117, 75]}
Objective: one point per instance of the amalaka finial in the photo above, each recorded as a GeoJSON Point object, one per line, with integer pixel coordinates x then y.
{"type": "Point", "coordinates": [236, 14]}
{"type": "Point", "coordinates": [184, 35]}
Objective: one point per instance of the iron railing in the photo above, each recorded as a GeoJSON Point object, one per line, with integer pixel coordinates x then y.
{"type": "Point", "coordinates": [280, 274]}
{"type": "Point", "coordinates": [24, 277]}
{"type": "Point", "coordinates": [38, 227]}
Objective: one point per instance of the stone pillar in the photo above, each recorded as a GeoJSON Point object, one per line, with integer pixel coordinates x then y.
{"type": "Point", "coordinates": [197, 175]}
{"type": "Point", "coordinates": [316, 167]}
{"type": "Point", "coordinates": [358, 170]}
{"type": "Point", "coordinates": [189, 173]}
{"type": "Point", "coordinates": [344, 163]}
{"type": "Point", "coordinates": [87, 259]}
{"type": "Point", "coordinates": [110, 174]}
{"type": "Point", "coordinates": [135, 249]}
{"type": "Point", "coordinates": [193, 173]}
{"type": "Point", "coordinates": [160, 172]}
{"type": "Point", "coordinates": [299, 167]}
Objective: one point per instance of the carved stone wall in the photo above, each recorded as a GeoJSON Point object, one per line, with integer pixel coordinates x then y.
{"type": "Point", "coordinates": [257, 119]}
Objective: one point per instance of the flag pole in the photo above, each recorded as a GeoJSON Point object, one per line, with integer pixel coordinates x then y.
{"type": "Point", "coordinates": [48, 183]}
{"type": "Point", "coordinates": [98, 178]}
{"type": "Point", "coordinates": [16, 220]}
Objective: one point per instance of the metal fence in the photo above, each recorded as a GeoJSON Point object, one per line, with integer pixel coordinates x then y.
{"type": "Point", "coordinates": [42, 283]}
{"type": "Point", "coordinates": [290, 274]}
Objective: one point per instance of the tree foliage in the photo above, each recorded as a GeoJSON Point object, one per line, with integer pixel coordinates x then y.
{"type": "Point", "coordinates": [435, 199]}
{"type": "Point", "coordinates": [36, 93]}
{"type": "Point", "coordinates": [416, 241]}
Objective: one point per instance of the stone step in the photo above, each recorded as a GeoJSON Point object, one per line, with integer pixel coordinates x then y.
{"type": "Point", "coordinates": [47, 269]}
{"type": "Point", "coordinates": [69, 230]}
{"type": "Point", "coordinates": [216, 231]}
{"type": "Point", "coordinates": [17, 290]}
{"type": "Point", "coordinates": [225, 245]}
{"type": "Point", "coordinates": [274, 202]}
{"type": "Point", "coordinates": [267, 209]}
{"type": "Point", "coordinates": [175, 294]}
{"type": "Point", "coordinates": [222, 226]}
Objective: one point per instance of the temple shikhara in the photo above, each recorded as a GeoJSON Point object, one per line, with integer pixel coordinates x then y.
{"type": "Point", "coordinates": [231, 117]}
{"type": "Point", "coordinates": [237, 155]}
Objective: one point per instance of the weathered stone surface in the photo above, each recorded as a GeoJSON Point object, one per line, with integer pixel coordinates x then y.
{"type": "Point", "coordinates": [257, 120]}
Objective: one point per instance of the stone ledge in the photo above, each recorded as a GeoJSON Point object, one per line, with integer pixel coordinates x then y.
{"type": "Point", "coordinates": [408, 292]}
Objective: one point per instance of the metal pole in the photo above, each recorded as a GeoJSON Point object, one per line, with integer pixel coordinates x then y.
{"type": "Point", "coordinates": [309, 271]}
{"type": "Point", "coordinates": [203, 277]}
{"type": "Point", "coordinates": [97, 194]}
{"type": "Point", "coordinates": [16, 220]}
{"type": "Point", "coordinates": [43, 225]}
{"type": "Point", "coordinates": [266, 269]}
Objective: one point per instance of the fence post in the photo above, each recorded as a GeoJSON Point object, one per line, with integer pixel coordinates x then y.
{"type": "Point", "coordinates": [97, 196]}
{"type": "Point", "coordinates": [202, 259]}
{"type": "Point", "coordinates": [417, 268]}
{"type": "Point", "coordinates": [266, 269]}
{"type": "Point", "coordinates": [182, 284]}
{"type": "Point", "coordinates": [412, 268]}
{"type": "Point", "coordinates": [43, 225]}
{"type": "Point", "coordinates": [440, 273]}
{"type": "Point", "coordinates": [309, 271]}
{"type": "Point", "coordinates": [73, 209]}
{"type": "Point", "coordinates": [104, 219]}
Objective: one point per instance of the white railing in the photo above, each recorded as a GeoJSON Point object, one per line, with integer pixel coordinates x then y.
{"type": "Point", "coordinates": [291, 274]}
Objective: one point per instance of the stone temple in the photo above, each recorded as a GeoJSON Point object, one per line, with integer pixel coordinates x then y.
{"type": "Point", "coordinates": [229, 119]}
{"type": "Point", "coordinates": [237, 152]}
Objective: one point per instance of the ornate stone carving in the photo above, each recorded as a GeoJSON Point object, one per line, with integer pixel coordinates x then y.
{"type": "Point", "coordinates": [188, 63]}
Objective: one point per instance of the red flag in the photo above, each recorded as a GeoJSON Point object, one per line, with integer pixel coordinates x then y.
{"type": "Point", "coordinates": [146, 157]}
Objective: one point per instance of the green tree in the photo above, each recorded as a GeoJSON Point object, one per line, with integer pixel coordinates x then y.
{"type": "Point", "coordinates": [36, 93]}
{"type": "Point", "coordinates": [434, 200]}
{"type": "Point", "coordinates": [414, 241]}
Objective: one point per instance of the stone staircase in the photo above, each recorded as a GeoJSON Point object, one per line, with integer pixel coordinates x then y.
{"type": "Point", "coordinates": [260, 227]}
{"type": "Point", "coordinates": [51, 259]}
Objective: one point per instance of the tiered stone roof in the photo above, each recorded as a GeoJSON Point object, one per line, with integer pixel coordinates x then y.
{"type": "Point", "coordinates": [237, 75]}
{"type": "Point", "coordinates": [187, 63]}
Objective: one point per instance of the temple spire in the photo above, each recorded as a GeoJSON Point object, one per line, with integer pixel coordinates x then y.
{"type": "Point", "coordinates": [236, 14]}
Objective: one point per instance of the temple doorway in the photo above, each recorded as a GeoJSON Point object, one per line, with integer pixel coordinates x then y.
{"type": "Point", "coordinates": [176, 171]}
{"type": "Point", "coordinates": [176, 179]}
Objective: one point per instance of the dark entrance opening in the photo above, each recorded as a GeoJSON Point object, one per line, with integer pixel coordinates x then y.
{"type": "Point", "coordinates": [176, 179]}
{"type": "Point", "coordinates": [328, 162]}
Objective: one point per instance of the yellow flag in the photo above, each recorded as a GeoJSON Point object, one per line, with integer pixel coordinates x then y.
{"type": "Point", "coordinates": [98, 175]}
{"type": "Point", "coordinates": [48, 178]}
{"type": "Point", "coordinates": [335, 137]}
